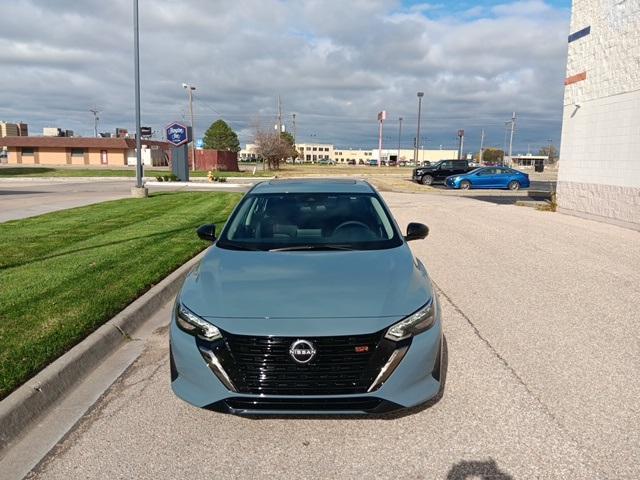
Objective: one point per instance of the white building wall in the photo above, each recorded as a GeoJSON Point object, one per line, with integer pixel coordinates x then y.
{"type": "Point", "coordinates": [599, 174]}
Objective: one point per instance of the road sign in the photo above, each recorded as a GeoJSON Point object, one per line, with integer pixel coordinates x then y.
{"type": "Point", "coordinates": [177, 134]}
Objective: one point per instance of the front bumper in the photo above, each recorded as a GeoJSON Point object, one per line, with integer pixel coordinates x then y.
{"type": "Point", "coordinates": [416, 379]}
{"type": "Point", "coordinates": [451, 183]}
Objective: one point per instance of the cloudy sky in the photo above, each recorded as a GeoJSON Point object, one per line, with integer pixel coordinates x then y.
{"type": "Point", "coordinates": [335, 64]}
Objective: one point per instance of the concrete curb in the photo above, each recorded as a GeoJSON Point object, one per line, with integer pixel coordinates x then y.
{"type": "Point", "coordinates": [24, 407]}
{"type": "Point", "coordinates": [243, 180]}
{"type": "Point", "coordinates": [196, 184]}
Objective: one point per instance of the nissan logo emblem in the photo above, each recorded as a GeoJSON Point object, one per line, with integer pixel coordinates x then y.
{"type": "Point", "coordinates": [302, 351]}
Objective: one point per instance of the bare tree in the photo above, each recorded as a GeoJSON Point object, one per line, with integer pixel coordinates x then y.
{"type": "Point", "coordinates": [272, 148]}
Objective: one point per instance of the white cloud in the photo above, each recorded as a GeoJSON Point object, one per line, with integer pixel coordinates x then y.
{"type": "Point", "coordinates": [335, 64]}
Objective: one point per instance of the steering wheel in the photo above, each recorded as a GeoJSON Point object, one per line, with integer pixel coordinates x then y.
{"type": "Point", "coordinates": [350, 223]}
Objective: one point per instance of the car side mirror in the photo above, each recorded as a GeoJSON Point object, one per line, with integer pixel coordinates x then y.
{"type": "Point", "coordinates": [207, 232]}
{"type": "Point", "coordinates": [416, 231]}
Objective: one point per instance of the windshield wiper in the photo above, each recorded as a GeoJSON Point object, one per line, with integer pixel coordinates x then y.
{"type": "Point", "coordinates": [312, 247]}
{"type": "Point", "coordinates": [238, 246]}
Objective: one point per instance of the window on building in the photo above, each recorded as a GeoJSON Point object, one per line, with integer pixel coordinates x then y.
{"type": "Point", "coordinates": [309, 157]}
{"type": "Point", "coordinates": [77, 152]}
{"type": "Point", "coordinates": [314, 149]}
{"type": "Point", "coordinates": [29, 151]}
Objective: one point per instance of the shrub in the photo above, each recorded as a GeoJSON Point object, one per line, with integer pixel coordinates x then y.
{"type": "Point", "coordinates": [160, 178]}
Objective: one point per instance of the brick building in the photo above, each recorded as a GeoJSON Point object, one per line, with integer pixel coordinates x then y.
{"type": "Point", "coordinates": [82, 151]}
{"type": "Point", "coordinates": [599, 173]}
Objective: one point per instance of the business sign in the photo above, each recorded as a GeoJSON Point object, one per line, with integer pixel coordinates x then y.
{"type": "Point", "coordinates": [177, 134]}
{"type": "Point", "coordinates": [145, 131]}
{"type": "Point", "coordinates": [199, 144]}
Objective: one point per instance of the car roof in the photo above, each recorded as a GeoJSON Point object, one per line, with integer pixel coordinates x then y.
{"type": "Point", "coordinates": [313, 185]}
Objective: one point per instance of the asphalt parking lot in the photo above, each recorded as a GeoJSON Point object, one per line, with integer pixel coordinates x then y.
{"type": "Point", "coordinates": [540, 313]}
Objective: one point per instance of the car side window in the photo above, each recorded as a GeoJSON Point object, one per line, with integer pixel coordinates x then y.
{"type": "Point", "coordinates": [487, 171]}
{"type": "Point", "coordinates": [459, 164]}
{"type": "Point", "coordinates": [446, 165]}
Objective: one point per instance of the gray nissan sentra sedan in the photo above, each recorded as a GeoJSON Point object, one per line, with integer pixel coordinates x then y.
{"type": "Point", "coordinates": [309, 301]}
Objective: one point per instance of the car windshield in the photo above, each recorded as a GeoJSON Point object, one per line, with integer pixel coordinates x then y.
{"type": "Point", "coordinates": [310, 221]}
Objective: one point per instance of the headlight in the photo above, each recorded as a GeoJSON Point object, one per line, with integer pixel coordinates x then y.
{"type": "Point", "coordinates": [193, 324]}
{"type": "Point", "coordinates": [414, 324]}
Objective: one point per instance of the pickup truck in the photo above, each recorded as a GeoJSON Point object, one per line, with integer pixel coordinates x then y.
{"type": "Point", "coordinates": [437, 172]}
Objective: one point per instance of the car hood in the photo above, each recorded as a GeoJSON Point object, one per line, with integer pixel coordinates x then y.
{"type": "Point", "coordinates": [318, 291]}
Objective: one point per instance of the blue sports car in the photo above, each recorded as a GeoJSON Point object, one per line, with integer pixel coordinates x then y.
{"type": "Point", "coordinates": [309, 301]}
{"type": "Point", "coordinates": [489, 177]}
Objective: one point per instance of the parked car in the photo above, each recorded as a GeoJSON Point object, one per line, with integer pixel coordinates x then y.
{"type": "Point", "coordinates": [437, 172]}
{"type": "Point", "coordinates": [309, 301]}
{"type": "Point", "coordinates": [489, 177]}
{"type": "Point", "coordinates": [351, 161]}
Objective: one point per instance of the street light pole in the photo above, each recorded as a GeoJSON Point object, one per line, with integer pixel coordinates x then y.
{"type": "Point", "coordinates": [95, 112]}
{"type": "Point", "coordinates": [136, 49]}
{"type": "Point", "coordinates": [190, 89]}
{"type": "Point", "coordinates": [381, 118]}
{"type": "Point", "coordinates": [415, 155]}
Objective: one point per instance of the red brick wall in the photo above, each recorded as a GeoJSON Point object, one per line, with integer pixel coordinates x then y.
{"type": "Point", "coordinates": [216, 160]}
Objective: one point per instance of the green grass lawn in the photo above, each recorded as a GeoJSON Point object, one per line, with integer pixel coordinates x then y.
{"type": "Point", "coordinates": [64, 274]}
{"type": "Point", "coordinates": [17, 172]}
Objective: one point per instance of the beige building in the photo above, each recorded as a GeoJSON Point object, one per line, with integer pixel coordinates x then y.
{"type": "Point", "coordinates": [314, 152]}
{"type": "Point", "coordinates": [248, 153]}
{"type": "Point", "coordinates": [9, 129]}
{"type": "Point", "coordinates": [360, 157]}
{"type": "Point", "coordinates": [13, 129]}
{"type": "Point", "coordinates": [82, 151]}
{"type": "Point", "coordinates": [406, 155]}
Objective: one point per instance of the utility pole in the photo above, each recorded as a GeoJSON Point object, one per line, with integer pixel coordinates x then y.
{"type": "Point", "coordinates": [513, 125]}
{"type": "Point", "coordinates": [399, 140]}
{"type": "Point", "coordinates": [279, 116]}
{"type": "Point", "coordinates": [294, 129]}
{"type": "Point", "coordinates": [481, 147]}
{"type": "Point", "coordinates": [190, 89]}
{"type": "Point", "coordinates": [95, 112]}
{"type": "Point", "coordinates": [381, 117]}
{"type": "Point", "coordinates": [415, 155]}
{"type": "Point", "coordinates": [136, 59]}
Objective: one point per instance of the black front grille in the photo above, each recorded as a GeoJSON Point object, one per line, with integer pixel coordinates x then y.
{"type": "Point", "coordinates": [364, 404]}
{"type": "Point", "coordinates": [342, 365]}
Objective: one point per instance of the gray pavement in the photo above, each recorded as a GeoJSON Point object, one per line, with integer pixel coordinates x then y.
{"type": "Point", "coordinates": [541, 321]}
{"type": "Point", "coordinates": [22, 198]}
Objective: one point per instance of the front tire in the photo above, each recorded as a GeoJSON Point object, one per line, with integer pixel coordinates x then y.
{"type": "Point", "coordinates": [427, 180]}
{"type": "Point", "coordinates": [514, 185]}
{"type": "Point", "coordinates": [465, 185]}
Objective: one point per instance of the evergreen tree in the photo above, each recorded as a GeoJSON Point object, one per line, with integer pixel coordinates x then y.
{"type": "Point", "coordinates": [219, 136]}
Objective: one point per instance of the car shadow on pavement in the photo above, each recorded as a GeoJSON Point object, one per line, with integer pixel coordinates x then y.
{"type": "Point", "coordinates": [500, 199]}
{"type": "Point", "coordinates": [382, 416]}
{"type": "Point", "coordinates": [476, 469]}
